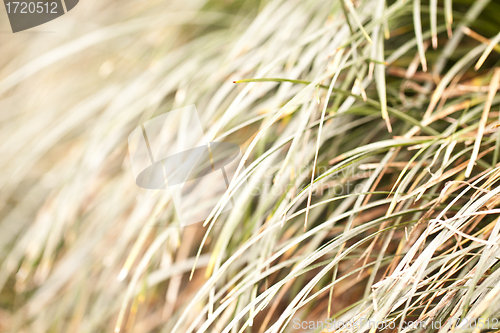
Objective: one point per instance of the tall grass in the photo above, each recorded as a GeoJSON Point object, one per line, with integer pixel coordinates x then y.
{"type": "Point", "coordinates": [370, 138]}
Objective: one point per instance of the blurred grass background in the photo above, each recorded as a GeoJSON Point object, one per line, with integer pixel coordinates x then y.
{"type": "Point", "coordinates": [83, 249]}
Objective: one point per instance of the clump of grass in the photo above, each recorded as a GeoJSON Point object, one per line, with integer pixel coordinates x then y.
{"type": "Point", "coordinates": [370, 138]}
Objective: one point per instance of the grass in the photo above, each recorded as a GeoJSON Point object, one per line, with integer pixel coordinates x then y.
{"type": "Point", "coordinates": [369, 131]}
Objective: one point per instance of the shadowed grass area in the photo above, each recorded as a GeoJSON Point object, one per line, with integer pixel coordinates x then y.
{"type": "Point", "coordinates": [369, 134]}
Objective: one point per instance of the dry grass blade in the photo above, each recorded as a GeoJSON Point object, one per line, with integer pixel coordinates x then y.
{"type": "Point", "coordinates": [351, 9]}
{"type": "Point", "coordinates": [336, 66]}
{"type": "Point", "coordinates": [418, 33]}
{"type": "Point", "coordinates": [448, 14]}
{"type": "Point", "coordinates": [433, 15]}
{"type": "Point", "coordinates": [486, 53]}
{"type": "Point", "coordinates": [495, 81]}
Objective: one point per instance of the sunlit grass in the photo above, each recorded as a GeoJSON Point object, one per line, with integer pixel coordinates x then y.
{"type": "Point", "coordinates": [369, 131]}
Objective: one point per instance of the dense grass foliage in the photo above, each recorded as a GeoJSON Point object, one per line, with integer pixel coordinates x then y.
{"type": "Point", "coordinates": [370, 190]}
